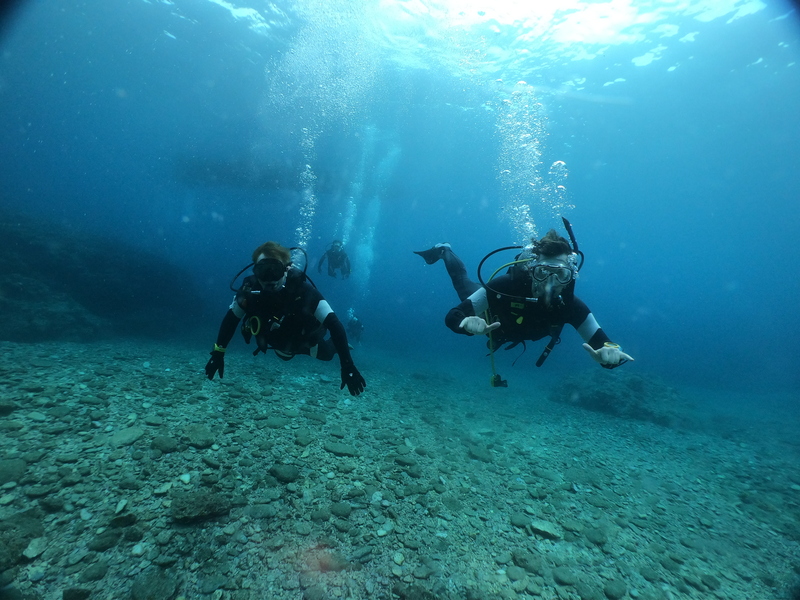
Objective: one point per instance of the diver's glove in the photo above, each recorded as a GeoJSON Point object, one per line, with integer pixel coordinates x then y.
{"type": "Point", "coordinates": [477, 326]}
{"type": "Point", "coordinates": [609, 356]}
{"type": "Point", "coordinates": [216, 363]}
{"type": "Point", "coordinates": [352, 379]}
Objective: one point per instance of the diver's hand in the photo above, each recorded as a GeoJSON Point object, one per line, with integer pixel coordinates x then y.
{"type": "Point", "coordinates": [215, 364]}
{"type": "Point", "coordinates": [608, 356]}
{"type": "Point", "coordinates": [477, 326]}
{"type": "Point", "coordinates": [352, 379]}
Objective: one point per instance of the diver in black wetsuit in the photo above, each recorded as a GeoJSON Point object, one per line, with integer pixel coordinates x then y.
{"type": "Point", "coordinates": [354, 328]}
{"type": "Point", "coordinates": [337, 259]}
{"type": "Point", "coordinates": [534, 299]}
{"type": "Point", "coordinates": [284, 312]}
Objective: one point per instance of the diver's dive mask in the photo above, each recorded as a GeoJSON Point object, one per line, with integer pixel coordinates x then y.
{"type": "Point", "coordinates": [269, 270]}
{"type": "Point", "coordinates": [542, 272]}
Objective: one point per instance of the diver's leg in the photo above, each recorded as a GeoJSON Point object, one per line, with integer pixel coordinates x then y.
{"type": "Point", "coordinates": [463, 285]}
{"type": "Point", "coordinates": [324, 350]}
{"type": "Point", "coordinates": [455, 268]}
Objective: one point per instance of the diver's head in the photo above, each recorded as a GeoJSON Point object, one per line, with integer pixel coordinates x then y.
{"type": "Point", "coordinates": [271, 264]}
{"type": "Point", "coordinates": [336, 246]}
{"type": "Point", "coordinates": [552, 268]}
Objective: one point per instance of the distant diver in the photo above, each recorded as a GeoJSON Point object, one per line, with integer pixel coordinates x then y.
{"type": "Point", "coordinates": [337, 259]}
{"type": "Point", "coordinates": [284, 312]}
{"type": "Point", "coordinates": [354, 327]}
{"type": "Point", "coordinates": [534, 299]}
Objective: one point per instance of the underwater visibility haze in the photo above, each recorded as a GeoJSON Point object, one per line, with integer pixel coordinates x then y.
{"type": "Point", "coordinates": [148, 146]}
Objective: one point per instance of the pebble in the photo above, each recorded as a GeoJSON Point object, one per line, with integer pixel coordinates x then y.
{"type": "Point", "coordinates": [35, 547]}
{"type": "Point", "coordinates": [185, 478]}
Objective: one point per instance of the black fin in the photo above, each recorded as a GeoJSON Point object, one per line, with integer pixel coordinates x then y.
{"type": "Point", "coordinates": [431, 255]}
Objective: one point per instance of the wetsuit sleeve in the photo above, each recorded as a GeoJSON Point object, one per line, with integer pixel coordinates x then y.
{"type": "Point", "coordinates": [474, 305]}
{"type": "Point", "coordinates": [346, 265]}
{"type": "Point", "coordinates": [339, 338]}
{"type": "Point", "coordinates": [227, 329]}
{"type": "Point", "coordinates": [321, 261]}
{"type": "Point", "coordinates": [582, 319]}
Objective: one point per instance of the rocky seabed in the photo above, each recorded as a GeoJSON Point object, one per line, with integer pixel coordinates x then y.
{"type": "Point", "coordinates": [126, 474]}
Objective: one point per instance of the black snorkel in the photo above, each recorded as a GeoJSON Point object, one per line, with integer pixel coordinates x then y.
{"type": "Point", "coordinates": [568, 227]}
{"type": "Point", "coordinates": [305, 268]}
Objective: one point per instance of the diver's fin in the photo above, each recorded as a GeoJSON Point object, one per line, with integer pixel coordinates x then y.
{"type": "Point", "coordinates": [432, 255]}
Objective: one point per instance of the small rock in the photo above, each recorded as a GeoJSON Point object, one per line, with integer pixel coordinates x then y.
{"type": "Point", "coordinates": [125, 437]}
{"type": "Point", "coordinates": [521, 520]}
{"type": "Point", "coordinates": [94, 572]}
{"type": "Point", "coordinates": [710, 581]}
{"type": "Point", "coordinates": [480, 453]}
{"type": "Point", "coordinates": [199, 435]}
{"type": "Point", "coordinates": [104, 541]}
{"type": "Point", "coordinates": [615, 589]}
{"type": "Point", "coordinates": [164, 443]}
{"type": "Point", "coordinates": [285, 473]}
{"type": "Point", "coordinates": [564, 576]}
{"type": "Point", "coordinates": [423, 572]}
{"type": "Point", "coordinates": [546, 529]}
{"type": "Point", "coordinates": [341, 509]}
{"type": "Point", "coordinates": [35, 547]}
{"type": "Point", "coordinates": [339, 449]}
{"type": "Point", "coordinates": [154, 585]}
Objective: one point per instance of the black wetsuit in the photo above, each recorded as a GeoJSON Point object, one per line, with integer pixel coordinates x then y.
{"type": "Point", "coordinates": [337, 259]}
{"type": "Point", "coordinates": [293, 320]}
{"type": "Point", "coordinates": [521, 318]}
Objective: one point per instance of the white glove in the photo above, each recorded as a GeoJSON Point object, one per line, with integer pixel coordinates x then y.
{"type": "Point", "coordinates": [477, 326]}
{"type": "Point", "coordinates": [608, 355]}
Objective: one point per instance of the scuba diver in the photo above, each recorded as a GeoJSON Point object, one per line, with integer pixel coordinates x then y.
{"type": "Point", "coordinates": [534, 299]}
{"type": "Point", "coordinates": [284, 312]}
{"type": "Point", "coordinates": [337, 259]}
{"type": "Point", "coordinates": [354, 327]}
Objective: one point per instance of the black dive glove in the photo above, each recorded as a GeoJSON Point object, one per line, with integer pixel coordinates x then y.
{"type": "Point", "coordinates": [216, 363]}
{"type": "Point", "coordinates": [352, 379]}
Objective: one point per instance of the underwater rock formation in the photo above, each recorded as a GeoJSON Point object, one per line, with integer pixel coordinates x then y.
{"type": "Point", "coordinates": [622, 394]}
{"type": "Point", "coordinates": [57, 284]}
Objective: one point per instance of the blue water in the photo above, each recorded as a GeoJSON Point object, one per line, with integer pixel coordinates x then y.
{"type": "Point", "coordinates": [185, 128]}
